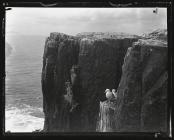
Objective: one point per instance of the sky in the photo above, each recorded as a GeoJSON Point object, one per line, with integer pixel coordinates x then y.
{"type": "Point", "coordinates": [42, 21]}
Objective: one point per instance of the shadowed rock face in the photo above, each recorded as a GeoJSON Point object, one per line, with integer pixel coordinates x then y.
{"type": "Point", "coordinates": [99, 64]}
{"type": "Point", "coordinates": [60, 54]}
{"type": "Point", "coordinates": [101, 61]}
{"type": "Point", "coordinates": [143, 87]}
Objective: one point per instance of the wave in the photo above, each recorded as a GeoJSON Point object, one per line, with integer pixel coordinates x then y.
{"type": "Point", "coordinates": [24, 118]}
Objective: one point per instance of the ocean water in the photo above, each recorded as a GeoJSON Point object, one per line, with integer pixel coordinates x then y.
{"type": "Point", "coordinates": [23, 94]}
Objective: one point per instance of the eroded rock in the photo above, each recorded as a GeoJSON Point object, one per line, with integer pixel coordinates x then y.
{"type": "Point", "coordinates": [93, 62]}
{"type": "Point", "coordinates": [143, 87]}
{"type": "Point", "coordinates": [99, 62]}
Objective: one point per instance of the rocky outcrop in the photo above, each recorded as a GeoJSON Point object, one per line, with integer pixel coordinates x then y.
{"type": "Point", "coordinates": [100, 62]}
{"type": "Point", "coordinates": [97, 65]}
{"type": "Point", "coordinates": [92, 62]}
{"type": "Point", "coordinates": [60, 54]}
{"type": "Point", "coordinates": [142, 91]}
{"type": "Point", "coordinates": [107, 120]}
{"type": "Point", "coordinates": [159, 34]}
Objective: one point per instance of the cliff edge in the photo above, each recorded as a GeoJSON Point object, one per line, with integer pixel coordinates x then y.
{"type": "Point", "coordinates": [92, 62]}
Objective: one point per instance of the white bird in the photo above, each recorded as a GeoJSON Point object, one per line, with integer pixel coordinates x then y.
{"type": "Point", "coordinates": [114, 92]}
{"type": "Point", "coordinates": [109, 94]}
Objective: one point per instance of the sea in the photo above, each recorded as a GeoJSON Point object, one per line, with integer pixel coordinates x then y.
{"type": "Point", "coordinates": [23, 94]}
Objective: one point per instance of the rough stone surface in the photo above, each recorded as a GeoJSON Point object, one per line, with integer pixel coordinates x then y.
{"type": "Point", "coordinates": [158, 34]}
{"type": "Point", "coordinates": [107, 120]}
{"type": "Point", "coordinates": [143, 88]}
{"type": "Point", "coordinates": [60, 54]}
{"type": "Point", "coordinates": [99, 64]}
{"type": "Point", "coordinates": [93, 62]}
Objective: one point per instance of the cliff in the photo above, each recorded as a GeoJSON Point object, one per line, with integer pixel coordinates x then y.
{"type": "Point", "coordinates": [92, 62]}
{"type": "Point", "coordinates": [142, 91]}
{"type": "Point", "coordinates": [143, 87]}
{"type": "Point", "coordinates": [91, 65]}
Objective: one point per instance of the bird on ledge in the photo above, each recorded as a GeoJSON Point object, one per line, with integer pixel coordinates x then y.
{"type": "Point", "coordinates": [109, 94]}
{"type": "Point", "coordinates": [114, 92]}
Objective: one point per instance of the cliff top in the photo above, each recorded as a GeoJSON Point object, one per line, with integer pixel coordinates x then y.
{"type": "Point", "coordinates": [157, 37]}
{"type": "Point", "coordinates": [93, 35]}
{"type": "Point", "coordinates": [102, 35]}
{"type": "Point", "coordinates": [58, 36]}
{"type": "Point", "coordinates": [151, 42]}
{"type": "Point", "coordinates": [158, 34]}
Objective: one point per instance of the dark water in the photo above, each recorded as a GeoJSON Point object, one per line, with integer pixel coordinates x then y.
{"type": "Point", "coordinates": [23, 84]}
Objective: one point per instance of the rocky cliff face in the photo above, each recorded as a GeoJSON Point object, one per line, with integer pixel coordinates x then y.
{"type": "Point", "coordinates": [91, 65]}
{"type": "Point", "coordinates": [92, 62]}
{"type": "Point", "coordinates": [60, 54]}
{"type": "Point", "coordinates": [143, 87]}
